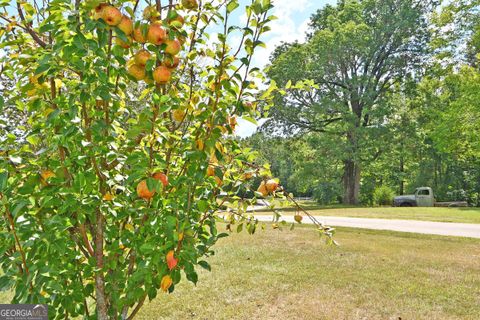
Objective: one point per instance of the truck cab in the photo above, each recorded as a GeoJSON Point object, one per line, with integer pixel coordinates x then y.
{"type": "Point", "coordinates": [423, 197]}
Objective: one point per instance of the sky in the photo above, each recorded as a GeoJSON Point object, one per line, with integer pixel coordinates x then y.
{"type": "Point", "coordinates": [292, 24]}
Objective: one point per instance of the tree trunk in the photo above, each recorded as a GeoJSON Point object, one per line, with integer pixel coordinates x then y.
{"type": "Point", "coordinates": [101, 298]}
{"type": "Point", "coordinates": [351, 171]}
{"type": "Point", "coordinates": [402, 171]}
{"type": "Point", "coordinates": [351, 182]}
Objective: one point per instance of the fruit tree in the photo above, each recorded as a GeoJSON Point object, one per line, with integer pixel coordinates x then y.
{"type": "Point", "coordinates": [127, 154]}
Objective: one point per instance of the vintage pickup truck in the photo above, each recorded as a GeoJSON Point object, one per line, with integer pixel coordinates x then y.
{"type": "Point", "coordinates": [423, 197]}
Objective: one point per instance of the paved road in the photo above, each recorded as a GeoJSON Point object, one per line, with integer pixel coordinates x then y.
{"type": "Point", "coordinates": [426, 227]}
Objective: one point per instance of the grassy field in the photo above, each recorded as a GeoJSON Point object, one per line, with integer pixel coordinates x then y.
{"type": "Point", "coordinates": [464, 215]}
{"type": "Point", "coordinates": [292, 275]}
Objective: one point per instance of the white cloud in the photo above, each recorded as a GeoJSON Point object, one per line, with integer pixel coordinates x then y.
{"type": "Point", "coordinates": [286, 28]}
{"type": "Point", "coordinates": [246, 128]}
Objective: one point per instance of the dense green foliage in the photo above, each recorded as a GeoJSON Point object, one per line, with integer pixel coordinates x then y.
{"type": "Point", "coordinates": [356, 53]}
{"type": "Point", "coordinates": [420, 128]}
{"type": "Point", "coordinates": [86, 226]}
{"type": "Point", "coordinates": [383, 196]}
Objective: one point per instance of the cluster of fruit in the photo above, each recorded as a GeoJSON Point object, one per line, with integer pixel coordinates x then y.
{"type": "Point", "coordinates": [172, 262]}
{"type": "Point", "coordinates": [267, 187]}
{"type": "Point", "coordinates": [164, 34]}
{"type": "Point", "coordinates": [270, 186]}
{"type": "Point", "coordinates": [142, 188]}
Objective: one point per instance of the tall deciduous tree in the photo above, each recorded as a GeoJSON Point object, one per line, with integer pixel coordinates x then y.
{"type": "Point", "coordinates": [356, 52]}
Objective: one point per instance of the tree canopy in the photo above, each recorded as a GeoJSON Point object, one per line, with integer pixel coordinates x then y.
{"type": "Point", "coordinates": [390, 86]}
{"type": "Point", "coordinates": [356, 52]}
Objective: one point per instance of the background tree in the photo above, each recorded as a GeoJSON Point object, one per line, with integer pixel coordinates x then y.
{"type": "Point", "coordinates": [427, 118]}
{"type": "Point", "coordinates": [357, 51]}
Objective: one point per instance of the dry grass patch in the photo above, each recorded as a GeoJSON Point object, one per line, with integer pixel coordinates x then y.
{"type": "Point", "coordinates": [372, 275]}
{"type": "Point", "coordinates": [292, 275]}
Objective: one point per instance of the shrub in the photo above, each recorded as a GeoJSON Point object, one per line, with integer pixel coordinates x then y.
{"type": "Point", "coordinates": [327, 193]}
{"type": "Point", "coordinates": [383, 196]}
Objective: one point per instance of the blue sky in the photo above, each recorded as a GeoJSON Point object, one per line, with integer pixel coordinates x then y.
{"type": "Point", "coordinates": [292, 23]}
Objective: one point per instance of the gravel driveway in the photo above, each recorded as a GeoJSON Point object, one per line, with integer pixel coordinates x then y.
{"type": "Point", "coordinates": [426, 227]}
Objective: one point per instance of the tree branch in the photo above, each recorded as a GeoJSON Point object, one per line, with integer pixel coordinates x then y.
{"type": "Point", "coordinates": [28, 27]}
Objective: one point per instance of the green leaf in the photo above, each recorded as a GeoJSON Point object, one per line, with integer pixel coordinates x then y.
{"type": "Point", "coordinates": [130, 11]}
{"type": "Point", "coordinates": [6, 283]}
{"type": "Point", "coordinates": [153, 185]}
{"type": "Point", "coordinates": [29, 185]}
{"type": "Point", "coordinates": [251, 228]}
{"type": "Point", "coordinates": [34, 140]}
{"type": "Point", "coordinates": [146, 247]}
{"type": "Point", "coordinates": [42, 68]}
{"type": "Point", "coordinates": [3, 180]}
{"type": "Point", "coordinates": [232, 6]}
{"type": "Point", "coordinates": [19, 207]}
{"type": "Point", "coordinates": [193, 277]}
{"type": "Point", "coordinates": [152, 293]}
{"type": "Point", "coordinates": [250, 119]}
{"type": "Point", "coordinates": [205, 265]}
{"type": "Point", "coordinates": [164, 108]}
{"type": "Point", "coordinates": [202, 205]}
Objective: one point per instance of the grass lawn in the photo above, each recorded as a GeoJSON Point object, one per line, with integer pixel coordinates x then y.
{"type": "Point", "coordinates": [292, 275]}
{"type": "Point", "coordinates": [464, 215]}
{"type": "Point", "coordinates": [5, 297]}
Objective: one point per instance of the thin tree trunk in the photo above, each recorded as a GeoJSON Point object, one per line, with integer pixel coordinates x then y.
{"type": "Point", "coordinates": [101, 298]}
{"type": "Point", "coordinates": [402, 171]}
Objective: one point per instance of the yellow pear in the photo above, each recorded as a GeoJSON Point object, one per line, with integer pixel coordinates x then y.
{"type": "Point", "coordinates": [126, 25]}
{"type": "Point", "coordinates": [162, 75]}
{"type": "Point", "coordinates": [141, 57]}
{"type": "Point", "coordinates": [173, 47]}
{"type": "Point", "coordinates": [178, 115]}
{"type": "Point", "coordinates": [190, 4]}
{"type": "Point", "coordinates": [136, 71]}
{"type": "Point", "coordinates": [111, 15]}
{"type": "Point", "coordinates": [156, 34]}
{"type": "Point", "coordinates": [138, 35]}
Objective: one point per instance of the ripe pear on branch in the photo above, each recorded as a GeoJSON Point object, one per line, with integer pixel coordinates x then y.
{"type": "Point", "coordinates": [143, 191]}
{"type": "Point", "coordinates": [137, 71]}
{"type": "Point", "coordinates": [138, 35]}
{"type": "Point", "coordinates": [190, 4]}
{"type": "Point", "coordinates": [162, 177]}
{"type": "Point", "coordinates": [124, 44]}
{"type": "Point", "coordinates": [126, 25]}
{"type": "Point", "coordinates": [111, 15]}
{"type": "Point", "coordinates": [171, 62]}
{"type": "Point", "coordinates": [141, 57]}
{"type": "Point", "coordinates": [176, 21]}
{"type": "Point", "coordinates": [268, 187]}
{"type": "Point", "coordinates": [162, 75]}
{"type": "Point", "coordinates": [156, 34]}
